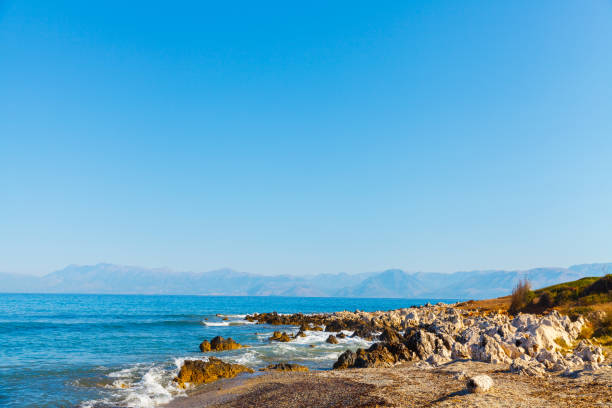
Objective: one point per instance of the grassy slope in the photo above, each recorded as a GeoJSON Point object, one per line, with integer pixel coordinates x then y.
{"type": "Point", "coordinates": [587, 296]}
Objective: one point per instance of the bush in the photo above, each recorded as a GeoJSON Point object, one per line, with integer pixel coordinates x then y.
{"type": "Point", "coordinates": [521, 296]}
{"type": "Point", "coordinates": [603, 327]}
{"type": "Point", "coordinates": [602, 285]}
{"type": "Point", "coordinates": [546, 301]}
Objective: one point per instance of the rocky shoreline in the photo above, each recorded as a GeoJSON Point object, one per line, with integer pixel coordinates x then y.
{"type": "Point", "coordinates": [429, 339]}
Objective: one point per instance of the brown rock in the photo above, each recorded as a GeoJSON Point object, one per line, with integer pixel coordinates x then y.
{"type": "Point", "coordinates": [346, 360]}
{"type": "Point", "coordinates": [378, 355]}
{"type": "Point", "coordinates": [365, 332]}
{"type": "Point", "coordinates": [332, 339]}
{"type": "Point", "coordinates": [340, 335]}
{"type": "Point", "coordinates": [205, 346]}
{"type": "Point", "coordinates": [285, 367]}
{"type": "Point", "coordinates": [198, 372]}
{"type": "Point", "coordinates": [389, 335]}
{"type": "Point", "coordinates": [219, 344]}
{"type": "Point", "coordinates": [282, 337]}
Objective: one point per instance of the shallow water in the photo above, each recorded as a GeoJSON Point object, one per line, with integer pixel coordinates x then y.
{"type": "Point", "coordinates": [123, 350]}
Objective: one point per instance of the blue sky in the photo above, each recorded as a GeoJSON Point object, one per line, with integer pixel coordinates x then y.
{"type": "Point", "coordinates": [322, 137]}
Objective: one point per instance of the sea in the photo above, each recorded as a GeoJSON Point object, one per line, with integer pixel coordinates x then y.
{"type": "Point", "coordinates": [100, 351]}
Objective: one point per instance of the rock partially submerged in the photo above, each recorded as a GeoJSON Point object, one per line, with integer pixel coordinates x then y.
{"type": "Point", "coordinates": [282, 337]}
{"type": "Point", "coordinates": [480, 383]}
{"type": "Point", "coordinates": [195, 372]}
{"type": "Point", "coordinates": [332, 339]}
{"type": "Point", "coordinates": [219, 344]}
{"type": "Point", "coordinates": [378, 355]}
{"type": "Point", "coordinates": [285, 367]}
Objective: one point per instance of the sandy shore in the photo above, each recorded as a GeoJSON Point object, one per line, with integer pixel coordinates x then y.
{"type": "Point", "coordinates": [405, 385]}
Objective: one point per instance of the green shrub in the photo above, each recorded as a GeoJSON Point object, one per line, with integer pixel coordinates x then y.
{"type": "Point", "coordinates": [546, 300]}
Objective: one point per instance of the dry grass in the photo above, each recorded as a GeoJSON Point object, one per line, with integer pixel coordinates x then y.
{"type": "Point", "coordinates": [521, 296]}
{"type": "Point", "coordinates": [500, 304]}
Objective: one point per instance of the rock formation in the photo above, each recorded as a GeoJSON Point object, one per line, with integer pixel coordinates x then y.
{"type": "Point", "coordinates": [219, 344]}
{"type": "Point", "coordinates": [196, 372]}
{"type": "Point", "coordinates": [282, 337]}
{"type": "Point", "coordinates": [332, 339]}
{"type": "Point", "coordinates": [285, 367]}
{"type": "Point", "coordinates": [435, 334]}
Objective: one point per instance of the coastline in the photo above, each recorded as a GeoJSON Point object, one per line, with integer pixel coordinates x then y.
{"type": "Point", "coordinates": [427, 356]}
{"type": "Point", "coordinates": [404, 385]}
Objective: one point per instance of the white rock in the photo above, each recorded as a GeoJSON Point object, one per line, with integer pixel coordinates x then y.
{"type": "Point", "coordinates": [523, 367]}
{"type": "Point", "coordinates": [480, 383]}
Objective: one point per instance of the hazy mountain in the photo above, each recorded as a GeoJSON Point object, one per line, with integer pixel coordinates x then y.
{"type": "Point", "coordinates": [390, 283]}
{"type": "Point", "coordinates": [109, 278]}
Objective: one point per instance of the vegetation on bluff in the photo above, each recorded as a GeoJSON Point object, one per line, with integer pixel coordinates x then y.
{"type": "Point", "coordinates": [590, 297]}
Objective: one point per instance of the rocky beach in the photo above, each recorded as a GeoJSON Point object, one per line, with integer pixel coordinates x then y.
{"type": "Point", "coordinates": [432, 355]}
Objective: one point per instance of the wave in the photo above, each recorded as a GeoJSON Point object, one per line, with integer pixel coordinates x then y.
{"type": "Point", "coordinates": [141, 386]}
{"type": "Point", "coordinates": [146, 385]}
{"type": "Point", "coordinates": [151, 385]}
{"type": "Point", "coordinates": [227, 323]}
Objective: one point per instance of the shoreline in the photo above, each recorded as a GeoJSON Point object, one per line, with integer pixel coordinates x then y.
{"type": "Point", "coordinates": [404, 385]}
{"type": "Point", "coordinates": [423, 356]}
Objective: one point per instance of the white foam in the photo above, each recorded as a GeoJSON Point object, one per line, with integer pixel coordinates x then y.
{"type": "Point", "coordinates": [142, 386]}
{"type": "Point", "coordinates": [151, 385]}
{"type": "Point", "coordinates": [227, 323]}
{"type": "Point", "coordinates": [155, 388]}
{"type": "Point", "coordinates": [328, 356]}
{"type": "Point", "coordinates": [250, 358]}
{"type": "Point", "coordinates": [215, 323]}
{"type": "Point", "coordinates": [126, 372]}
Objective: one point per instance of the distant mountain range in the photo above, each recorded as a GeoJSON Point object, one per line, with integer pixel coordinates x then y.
{"type": "Point", "coordinates": [393, 283]}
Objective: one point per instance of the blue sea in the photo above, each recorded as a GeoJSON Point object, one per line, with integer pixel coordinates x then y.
{"type": "Point", "coordinates": [124, 350]}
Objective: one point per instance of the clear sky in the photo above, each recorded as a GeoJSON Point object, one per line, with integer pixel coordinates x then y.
{"type": "Point", "coordinates": [325, 137]}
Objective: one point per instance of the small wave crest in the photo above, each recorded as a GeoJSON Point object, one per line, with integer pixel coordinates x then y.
{"type": "Point", "coordinates": [226, 323]}
{"type": "Point", "coordinates": [141, 386]}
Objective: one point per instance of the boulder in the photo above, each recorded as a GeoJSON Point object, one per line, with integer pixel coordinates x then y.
{"type": "Point", "coordinates": [524, 366]}
{"type": "Point", "coordinates": [480, 383]}
{"type": "Point", "coordinates": [205, 346]}
{"type": "Point", "coordinates": [489, 350]}
{"type": "Point", "coordinates": [378, 355]}
{"type": "Point", "coordinates": [285, 367]}
{"type": "Point", "coordinates": [282, 337]}
{"type": "Point", "coordinates": [365, 332]}
{"type": "Point", "coordinates": [389, 335]}
{"type": "Point", "coordinates": [589, 353]}
{"type": "Point", "coordinates": [422, 343]}
{"type": "Point", "coordinates": [340, 335]}
{"type": "Point", "coordinates": [400, 351]}
{"type": "Point", "coordinates": [332, 339]}
{"type": "Point", "coordinates": [335, 326]}
{"type": "Point", "coordinates": [346, 360]}
{"type": "Point", "coordinates": [220, 344]}
{"type": "Point", "coordinates": [197, 372]}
